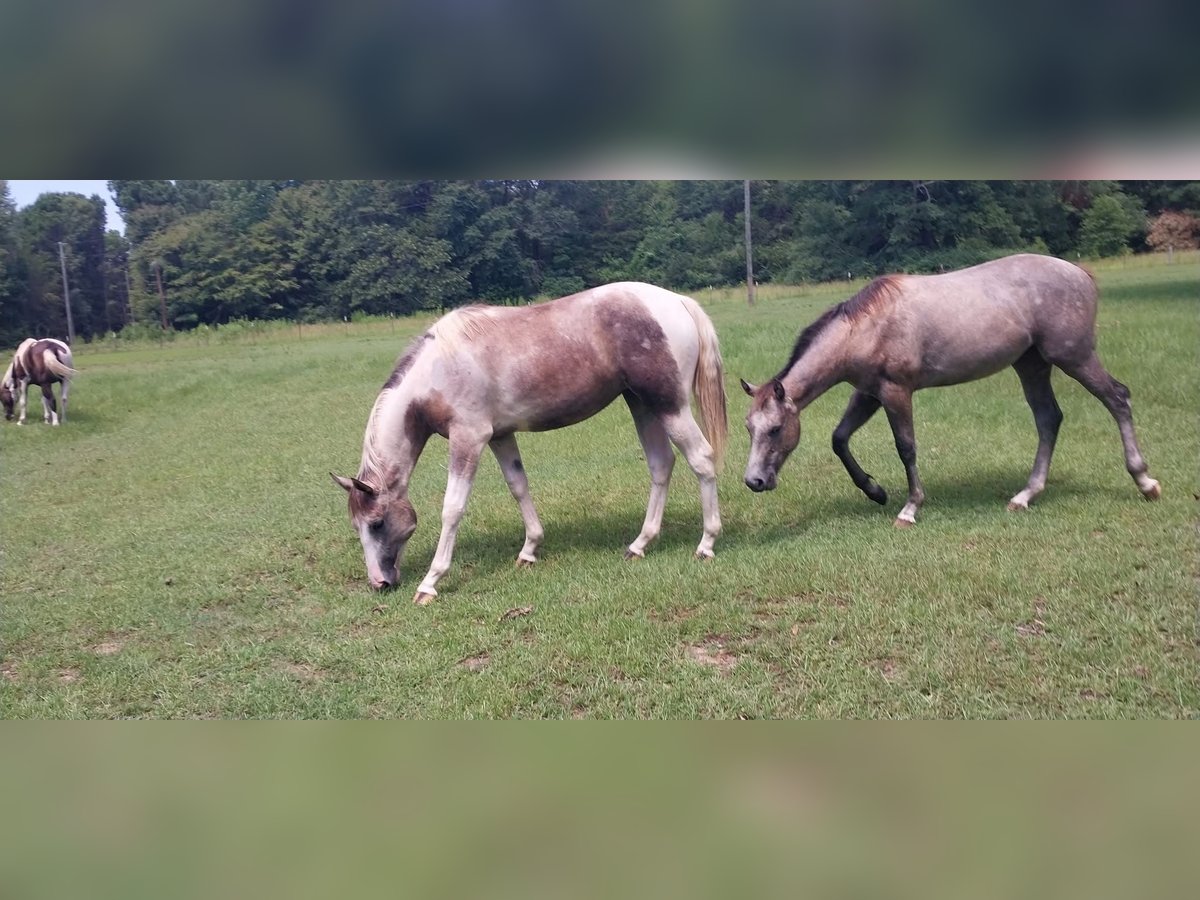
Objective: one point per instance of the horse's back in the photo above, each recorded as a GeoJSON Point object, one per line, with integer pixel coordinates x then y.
{"type": "Point", "coordinates": [976, 321]}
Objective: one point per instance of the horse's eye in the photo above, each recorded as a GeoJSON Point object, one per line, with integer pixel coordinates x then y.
{"type": "Point", "coordinates": [774, 432]}
{"type": "Point", "coordinates": [375, 527]}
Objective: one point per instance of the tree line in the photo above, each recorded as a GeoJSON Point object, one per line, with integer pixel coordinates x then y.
{"type": "Point", "coordinates": [208, 252]}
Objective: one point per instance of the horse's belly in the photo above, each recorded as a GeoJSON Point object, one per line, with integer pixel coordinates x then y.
{"type": "Point", "coordinates": [942, 367]}
{"type": "Point", "coordinates": [548, 409]}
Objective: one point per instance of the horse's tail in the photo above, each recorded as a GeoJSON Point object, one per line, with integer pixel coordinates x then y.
{"type": "Point", "coordinates": [60, 368]}
{"type": "Point", "coordinates": [708, 384]}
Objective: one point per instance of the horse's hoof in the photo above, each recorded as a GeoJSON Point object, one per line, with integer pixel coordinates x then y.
{"type": "Point", "coordinates": [903, 523]}
{"type": "Point", "coordinates": [630, 554]}
{"type": "Point", "coordinates": [1154, 491]}
{"type": "Point", "coordinates": [423, 599]}
{"type": "Point", "coordinates": [1014, 506]}
{"type": "Point", "coordinates": [876, 493]}
{"type": "Point", "coordinates": [704, 556]}
{"type": "Point", "coordinates": [523, 563]}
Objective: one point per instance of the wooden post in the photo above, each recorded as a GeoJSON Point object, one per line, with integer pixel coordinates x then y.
{"type": "Point", "coordinates": [749, 254]}
{"type": "Point", "coordinates": [162, 299]}
{"type": "Point", "coordinates": [66, 295]}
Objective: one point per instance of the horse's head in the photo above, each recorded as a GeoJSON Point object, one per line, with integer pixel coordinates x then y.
{"type": "Point", "coordinates": [384, 520]}
{"type": "Point", "coordinates": [774, 426]}
{"type": "Point", "coordinates": [6, 397]}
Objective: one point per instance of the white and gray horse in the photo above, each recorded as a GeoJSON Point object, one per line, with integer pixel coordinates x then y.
{"type": "Point", "coordinates": [480, 374]}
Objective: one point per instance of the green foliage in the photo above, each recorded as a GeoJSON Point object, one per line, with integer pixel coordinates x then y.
{"type": "Point", "coordinates": [1109, 225]}
{"type": "Point", "coordinates": [322, 250]}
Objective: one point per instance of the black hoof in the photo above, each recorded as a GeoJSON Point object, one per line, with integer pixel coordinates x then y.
{"type": "Point", "coordinates": [876, 493]}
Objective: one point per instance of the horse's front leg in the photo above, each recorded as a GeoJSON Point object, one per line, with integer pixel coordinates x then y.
{"type": "Point", "coordinates": [897, 403]}
{"type": "Point", "coordinates": [464, 460]}
{"type": "Point", "coordinates": [23, 390]}
{"type": "Point", "coordinates": [860, 408]}
{"type": "Point", "coordinates": [509, 458]}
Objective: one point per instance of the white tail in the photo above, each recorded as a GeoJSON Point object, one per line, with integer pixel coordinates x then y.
{"type": "Point", "coordinates": [59, 368]}
{"type": "Point", "coordinates": [708, 385]}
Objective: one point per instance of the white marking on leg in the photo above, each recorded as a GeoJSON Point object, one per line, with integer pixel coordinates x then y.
{"type": "Point", "coordinates": [686, 435]}
{"type": "Point", "coordinates": [1149, 486]}
{"type": "Point", "coordinates": [908, 514]}
{"type": "Point", "coordinates": [1022, 499]}
{"type": "Point", "coordinates": [458, 490]}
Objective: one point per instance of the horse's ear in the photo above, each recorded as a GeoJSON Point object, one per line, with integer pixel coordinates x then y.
{"type": "Point", "coordinates": [780, 394]}
{"type": "Point", "coordinates": [350, 483]}
{"type": "Point", "coordinates": [747, 387]}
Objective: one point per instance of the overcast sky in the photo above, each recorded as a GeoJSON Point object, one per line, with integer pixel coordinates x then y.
{"type": "Point", "coordinates": [25, 192]}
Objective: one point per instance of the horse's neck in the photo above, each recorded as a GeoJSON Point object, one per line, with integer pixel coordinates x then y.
{"type": "Point", "coordinates": [394, 439]}
{"type": "Point", "coordinates": [820, 367]}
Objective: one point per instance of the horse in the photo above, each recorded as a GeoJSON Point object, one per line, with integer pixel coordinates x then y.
{"type": "Point", "coordinates": [902, 333]}
{"type": "Point", "coordinates": [480, 374]}
{"type": "Point", "coordinates": [44, 362]}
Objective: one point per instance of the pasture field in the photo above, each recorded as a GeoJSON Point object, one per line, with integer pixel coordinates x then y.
{"type": "Point", "coordinates": [178, 549]}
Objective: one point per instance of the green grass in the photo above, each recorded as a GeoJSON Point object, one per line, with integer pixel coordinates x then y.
{"type": "Point", "coordinates": [178, 550]}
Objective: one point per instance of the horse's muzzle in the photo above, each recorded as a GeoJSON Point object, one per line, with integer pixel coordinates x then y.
{"type": "Point", "coordinates": [758, 485]}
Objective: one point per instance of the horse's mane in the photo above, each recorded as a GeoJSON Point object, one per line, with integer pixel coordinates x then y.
{"type": "Point", "coordinates": [864, 303]}
{"type": "Point", "coordinates": [463, 324]}
{"type": "Point", "coordinates": [372, 459]}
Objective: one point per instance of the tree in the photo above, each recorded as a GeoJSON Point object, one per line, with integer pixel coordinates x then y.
{"type": "Point", "coordinates": [1174, 230]}
{"type": "Point", "coordinates": [1109, 224]}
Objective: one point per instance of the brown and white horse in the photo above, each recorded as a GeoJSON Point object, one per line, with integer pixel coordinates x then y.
{"type": "Point", "coordinates": [44, 362]}
{"type": "Point", "coordinates": [902, 333]}
{"type": "Point", "coordinates": [480, 374]}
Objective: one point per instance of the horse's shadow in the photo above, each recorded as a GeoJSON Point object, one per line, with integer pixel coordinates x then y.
{"type": "Point", "coordinates": [982, 497]}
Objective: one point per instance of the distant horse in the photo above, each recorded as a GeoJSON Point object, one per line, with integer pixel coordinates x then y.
{"type": "Point", "coordinates": [43, 362]}
{"type": "Point", "coordinates": [902, 333]}
{"type": "Point", "coordinates": [481, 373]}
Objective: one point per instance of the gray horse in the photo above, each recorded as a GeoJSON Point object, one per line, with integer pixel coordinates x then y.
{"type": "Point", "coordinates": [902, 333]}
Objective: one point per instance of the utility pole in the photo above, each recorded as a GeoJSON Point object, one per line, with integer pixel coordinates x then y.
{"type": "Point", "coordinates": [749, 254]}
{"type": "Point", "coordinates": [128, 295]}
{"type": "Point", "coordinates": [162, 300]}
{"type": "Point", "coordinates": [62, 259]}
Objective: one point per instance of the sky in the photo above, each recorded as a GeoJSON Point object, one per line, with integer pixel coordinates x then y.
{"type": "Point", "coordinates": [25, 192]}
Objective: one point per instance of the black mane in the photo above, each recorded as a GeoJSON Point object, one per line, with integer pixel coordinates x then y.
{"type": "Point", "coordinates": [858, 305]}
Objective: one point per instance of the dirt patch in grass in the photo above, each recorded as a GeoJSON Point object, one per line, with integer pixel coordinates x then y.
{"type": "Point", "coordinates": [713, 651]}
{"type": "Point", "coordinates": [889, 668]}
{"type": "Point", "coordinates": [8, 671]}
{"type": "Point", "coordinates": [1034, 627]}
{"type": "Point", "coordinates": [108, 646]}
{"type": "Point", "coordinates": [69, 675]}
{"type": "Point", "coordinates": [302, 671]}
{"type": "Point", "coordinates": [476, 662]}
{"type": "Point", "coordinates": [674, 614]}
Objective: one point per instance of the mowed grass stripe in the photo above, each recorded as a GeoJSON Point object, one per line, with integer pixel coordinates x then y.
{"type": "Point", "coordinates": [179, 551]}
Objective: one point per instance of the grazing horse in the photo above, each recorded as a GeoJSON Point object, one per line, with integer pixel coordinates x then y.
{"type": "Point", "coordinates": [902, 333]}
{"type": "Point", "coordinates": [43, 362]}
{"type": "Point", "coordinates": [480, 374]}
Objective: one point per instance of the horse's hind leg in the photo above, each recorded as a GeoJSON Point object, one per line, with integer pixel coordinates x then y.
{"type": "Point", "coordinates": [49, 410]}
{"type": "Point", "coordinates": [1034, 372]}
{"type": "Point", "coordinates": [62, 416]}
{"type": "Point", "coordinates": [660, 459]}
{"type": "Point", "coordinates": [685, 434]}
{"type": "Point", "coordinates": [897, 403]}
{"type": "Point", "coordinates": [509, 458]}
{"type": "Point", "coordinates": [1115, 397]}
{"type": "Point", "coordinates": [861, 407]}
